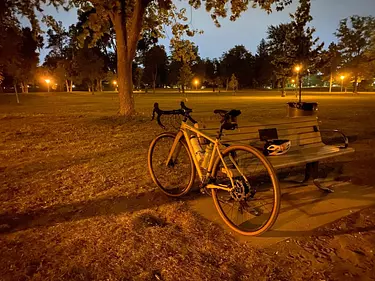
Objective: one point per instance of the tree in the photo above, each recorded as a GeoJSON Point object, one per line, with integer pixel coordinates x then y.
{"type": "Point", "coordinates": [298, 47]}
{"type": "Point", "coordinates": [305, 50]}
{"type": "Point", "coordinates": [356, 45]}
{"type": "Point", "coordinates": [89, 65]}
{"type": "Point", "coordinates": [155, 64]}
{"type": "Point", "coordinates": [137, 78]}
{"type": "Point", "coordinates": [129, 18]}
{"type": "Point", "coordinates": [263, 68]}
{"type": "Point", "coordinates": [233, 83]}
{"type": "Point", "coordinates": [238, 61]}
{"type": "Point", "coordinates": [185, 76]}
{"type": "Point", "coordinates": [331, 59]}
{"type": "Point", "coordinates": [23, 63]}
{"type": "Point", "coordinates": [184, 52]}
{"type": "Point", "coordinates": [281, 53]}
{"type": "Point", "coordinates": [63, 45]}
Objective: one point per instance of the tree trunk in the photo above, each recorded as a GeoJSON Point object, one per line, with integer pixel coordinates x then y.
{"type": "Point", "coordinates": [283, 94]}
{"type": "Point", "coordinates": [25, 88]}
{"type": "Point", "coordinates": [127, 35]}
{"type": "Point", "coordinates": [300, 89]}
{"type": "Point", "coordinates": [67, 85]}
{"type": "Point", "coordinates": [355, 88]}
{"type": "Point", "coordinates": [15, 90]}
{"type": "Point", "coordinates": [227, 84]}
{"type": "Point", "coordinates": [99, 85]}
{"type": "Point", "coordinates": [154, 80]}
{"type": "Point", "coordinates": [71, 86]}
{"type": "Point", "coordinates": [330, 82]}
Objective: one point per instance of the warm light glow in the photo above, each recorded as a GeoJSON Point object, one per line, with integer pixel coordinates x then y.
{"type": "Point", "coordinates": [298, 68]}
{"type": "Point", "coordinates": [342, 77]}
{"type": "Point", "coordinates": [47, 81]}
{"type": "Point", "coordinates": [293, 81]}
{"type": "Point", "coordinates": [114, 82]}
{"type": "Point", "coordinates": [196, 81]}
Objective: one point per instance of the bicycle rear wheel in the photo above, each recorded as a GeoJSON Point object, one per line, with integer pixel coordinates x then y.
{"type": "Point", "coordinates": [177, 177]}
{"type": "Point", "coordinates": [253, 206]}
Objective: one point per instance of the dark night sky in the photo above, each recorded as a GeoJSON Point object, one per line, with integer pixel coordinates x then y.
{"type": "Point", "coordinates": [252, 26]}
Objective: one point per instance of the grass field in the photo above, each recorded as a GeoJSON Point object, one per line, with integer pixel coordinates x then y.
{"type": "Point", "coordinates": [77, 203]}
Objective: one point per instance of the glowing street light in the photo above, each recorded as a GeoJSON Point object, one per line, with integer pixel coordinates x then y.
{"type": "Point", "coordinates": [196, 83]}
{"type": "Point", "coordinates": [48, 82]}
{"type": "Point", "coordinates": [115, 84]}
{"type": "Point", "coordinates": [342, 77]}
{"type": "Point", "coordinates": [298, 68]}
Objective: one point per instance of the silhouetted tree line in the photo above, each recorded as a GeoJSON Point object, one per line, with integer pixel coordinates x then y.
{"type": "Point", "coordinates": [79, 58]}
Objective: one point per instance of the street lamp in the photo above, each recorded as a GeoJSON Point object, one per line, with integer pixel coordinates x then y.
{"type": "Point", "coordinates": [298, 69]}
{"type": "Point", "coordinates": [196, 83]}
{"type": "Point", "coordinates": [115, 84]}
{"type": "Point", "coordinates": [342, 81]}
{"type": "Point", "coordinates": [48, 82]}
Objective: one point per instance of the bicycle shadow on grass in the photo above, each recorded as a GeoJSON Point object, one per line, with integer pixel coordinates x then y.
{"type": "Point", "coordinates": [82, 210]}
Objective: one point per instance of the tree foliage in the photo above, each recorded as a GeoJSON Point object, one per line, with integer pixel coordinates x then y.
{"type": "Point", "coordinates": [21, 61]}
{"type": "Point", "coordinates": [357, 46]}
{"type": "Point", "coordinates": [263, 68]}
{"type": "Point", "coordinates": [155, 66]}
{"type": "Point", "coordinates": [238, 61]}
{"type": "Point", "coordinates": [294, 44]}
{"type": "Point", "coordinates": [130, 18]}
{"type": "Point", "coordinates": [233, 83]}
{"type": "Point", "coordinates": [280, 51]}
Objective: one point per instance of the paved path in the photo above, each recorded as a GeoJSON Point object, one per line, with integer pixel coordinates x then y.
{"type": "Point", "coordinates": [303, 209]}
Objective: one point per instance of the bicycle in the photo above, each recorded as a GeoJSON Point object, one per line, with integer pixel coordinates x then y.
{"type": "Point", "coordinates": [241, 179]}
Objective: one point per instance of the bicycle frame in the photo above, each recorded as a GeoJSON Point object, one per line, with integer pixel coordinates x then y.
{"type": "Point", "coordinates": [183, 132]}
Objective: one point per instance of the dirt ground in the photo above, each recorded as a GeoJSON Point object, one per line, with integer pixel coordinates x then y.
{"type": "Point", "coordinates": [77, 202]}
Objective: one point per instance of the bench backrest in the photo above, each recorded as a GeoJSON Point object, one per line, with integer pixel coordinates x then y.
{"type": "Point", "coordinates": [303, 132]}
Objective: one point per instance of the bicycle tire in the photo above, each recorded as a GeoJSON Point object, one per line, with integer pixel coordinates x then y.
{"type": "Point", "coordinates": [268, 223]}
{"type": "Point", "coordinates": [162, 179]}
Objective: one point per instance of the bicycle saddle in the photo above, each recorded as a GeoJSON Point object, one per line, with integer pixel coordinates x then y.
{"type": "Point", "coordinates": [229, 118]}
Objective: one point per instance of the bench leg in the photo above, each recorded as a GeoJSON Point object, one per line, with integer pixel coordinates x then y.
{"type": "Point", "coordinates": [312, 170]}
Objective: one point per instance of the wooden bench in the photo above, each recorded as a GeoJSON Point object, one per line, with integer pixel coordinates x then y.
{"type": "Point", "coordinates": [307, 145]}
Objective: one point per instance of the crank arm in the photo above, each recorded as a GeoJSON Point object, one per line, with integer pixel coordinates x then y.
{"type": "Point", "coordinates": [220, 186]}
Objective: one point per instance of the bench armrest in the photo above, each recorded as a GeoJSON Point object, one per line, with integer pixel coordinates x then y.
{"type": "Point", "coordinates": [346, 140]}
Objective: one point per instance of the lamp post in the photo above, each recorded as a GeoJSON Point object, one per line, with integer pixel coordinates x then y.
{"type": "Point", "coordinates": [342, 81]}
{"type": "Point", "coordinates": [115, 84]}
{"type": "Point", "coordinates": [48, 82]}
{"type": "Point", "coordinates": [196, 84]}
{"type": "Point", "coordinates": [298, 70]}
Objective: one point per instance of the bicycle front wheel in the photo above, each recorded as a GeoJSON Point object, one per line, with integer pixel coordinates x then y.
{"type": "Point", "coordinates": [252, 207]}
{"type": "Point", "coordinates": [176, 177]}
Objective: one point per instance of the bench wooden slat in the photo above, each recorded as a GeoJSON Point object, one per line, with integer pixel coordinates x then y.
{"type": "Point", "coordinates": [303, 132]}
{"type": "Point", "coordinates": [255, 137]}
{"type": "Point", "coordinates": [251, 126]}
{"type": "Point", "coordinates": [304, 156]}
